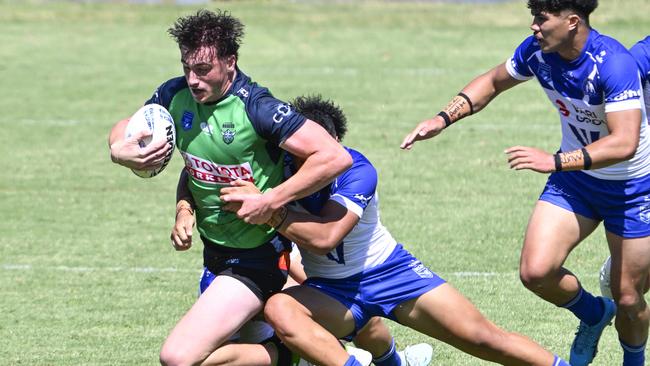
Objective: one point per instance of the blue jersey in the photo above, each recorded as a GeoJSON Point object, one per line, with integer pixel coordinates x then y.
{"type": "Point", "coordinates": [641, 54]}
{"type": "Point", "coordinates": [369, 243]}
{"type": "Point", "coordinates": [583, 90]}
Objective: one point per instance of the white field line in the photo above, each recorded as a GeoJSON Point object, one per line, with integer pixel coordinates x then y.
{"type": "Point", "coordinates": [29, 267]}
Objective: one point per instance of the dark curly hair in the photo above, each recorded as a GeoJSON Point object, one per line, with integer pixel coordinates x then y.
{"type": "Point", "coordinates": [206, 28]}
{"type": "Point", "coordinates": [582, 7]}
{"type": "Point", "coordinates": [323, 112]}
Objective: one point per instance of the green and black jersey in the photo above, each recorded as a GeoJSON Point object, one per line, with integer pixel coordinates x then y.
{"type": "Point", "coordinates": [236, 137]}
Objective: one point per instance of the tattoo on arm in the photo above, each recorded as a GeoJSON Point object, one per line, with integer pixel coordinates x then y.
{"type": "Point", "coordinates": [573, 160]}
{"type": "Point", "coordinates": [458, 108]}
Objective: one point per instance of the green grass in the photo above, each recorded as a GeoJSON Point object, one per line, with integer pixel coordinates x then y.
{"type": "Point", "coordinates": [87, 273]}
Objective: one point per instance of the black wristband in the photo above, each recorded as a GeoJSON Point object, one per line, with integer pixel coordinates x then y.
{"type": "Point", "coordinates": [445, 116]}
{"type": "Point", "coordinates": [558, 162]}
{"type": "Point", "coordinates": [471, 106]}
{"type": "Point", "coordinates": [586, 158]}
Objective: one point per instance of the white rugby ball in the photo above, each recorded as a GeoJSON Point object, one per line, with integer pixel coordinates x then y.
{"type": "Point", "coordinates": [605, 278]}
{"type": "Point", "coordinates": [156, 119]}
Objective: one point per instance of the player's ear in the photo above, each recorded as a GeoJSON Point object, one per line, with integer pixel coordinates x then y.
{"type": "Point", "coordinates": [574, 21]}
{"type": "Point", "coordinates": [231, 62]}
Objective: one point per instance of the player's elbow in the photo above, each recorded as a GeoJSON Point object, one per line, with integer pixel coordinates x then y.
{"type": "Point", "coordinates": [629, 149]}
{"type": "Point", "coordinates": [322, 246]}
{"type": "Point", "coordinates": [339, 161]}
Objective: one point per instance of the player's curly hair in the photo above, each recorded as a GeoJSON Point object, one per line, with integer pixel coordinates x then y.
{"type": "Point", "coordinates": [206, 28]}
{"type": "Point", "coordinates": [582, 7]}
{"type": "Point", "coordinates": [324, 112]}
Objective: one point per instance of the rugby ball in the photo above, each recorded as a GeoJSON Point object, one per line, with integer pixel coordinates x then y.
{"type": "Point", "coordinates": [157, 120]}
{"type": "Point", "coordinates": [604, 278]}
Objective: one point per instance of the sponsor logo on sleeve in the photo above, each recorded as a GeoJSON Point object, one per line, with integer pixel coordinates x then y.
{"type": "Point", "coordinates": [282, 111]}
{"type": "Point", "coordinates": [627, 94]}
{"type": "Point", "coordinates": [209, 172]}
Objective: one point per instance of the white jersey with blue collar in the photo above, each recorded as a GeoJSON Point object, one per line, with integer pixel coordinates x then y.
{"type": "Point", "coordinates": [369, 243]}
{"type": "Point", "coordinates": [603, 79]}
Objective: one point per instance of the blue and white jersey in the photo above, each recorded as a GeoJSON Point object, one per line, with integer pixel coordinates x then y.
{"type": "Point", "coordinates": [602, 79]}
{"type": "Point", "coordinates": [641, 54]}
{"type": "Point", "coordinates": [369, 243]}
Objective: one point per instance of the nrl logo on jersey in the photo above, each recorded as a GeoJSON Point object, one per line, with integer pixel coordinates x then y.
{"type": "Point", "coordinates": [228, 132]}
{"type": "Point", "coordinates": [186, 120]}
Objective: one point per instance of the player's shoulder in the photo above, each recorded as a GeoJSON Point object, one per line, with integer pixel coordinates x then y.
{"type": "Point", "coordinates": [529, 46]}
{"type": "Point", "coordinates": [641, 53]}
{"type": "Point", "coordinates": [248, 90]}
{"type": "Point", "coordinates": [361, 166]}
{"type": "Point", "coordinates": [167, 90]}
{"type": "Point", "coordinates": [603, 48]}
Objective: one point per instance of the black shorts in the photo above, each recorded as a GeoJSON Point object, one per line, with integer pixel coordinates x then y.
{"type": "Point", "coordinates": [263, 269]}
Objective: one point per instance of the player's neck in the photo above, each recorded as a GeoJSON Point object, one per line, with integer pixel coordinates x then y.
{"type": "Point", "coordinates": [576, 44]}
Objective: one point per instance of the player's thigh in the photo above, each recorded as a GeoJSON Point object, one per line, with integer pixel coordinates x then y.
{"type": "Point", "coordinates": [445, 314]}
{"type": "Point", "coordinates": [306, 301]}
{"type": "Point", "coordinates": [630, 263]}
{"type": "Point", "coordinates": [551, 235]}
{"type": "Point", "coordinates": [217, 314]}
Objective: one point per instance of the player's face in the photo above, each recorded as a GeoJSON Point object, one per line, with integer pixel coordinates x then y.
{"type": "Point", "coordinates": [208, 76]}
{"type": "Point", "coordinates": [552, 31]}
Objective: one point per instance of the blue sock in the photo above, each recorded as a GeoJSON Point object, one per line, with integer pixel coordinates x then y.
{"type": "Point", "coordinates": [586, 307]}
{"type": "Point", "coordinates": [390, 358]}
{"type": "Point", "coordinates": [633, 355]}
{"type": "Point", "coordinates": [557, 361]}
{"type": "Point", "coordinates": [352, 362]}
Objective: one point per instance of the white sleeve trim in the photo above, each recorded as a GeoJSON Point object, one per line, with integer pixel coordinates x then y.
{"type": "Point", "coordinates": [514, 73]}
{"type": "Point", "coordinates": [347, 203]}
{"type": "Point", "coordinates": [623, 106]}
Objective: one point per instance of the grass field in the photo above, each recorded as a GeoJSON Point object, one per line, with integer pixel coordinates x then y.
{"type": "Point", "coordinates": [87, 275]}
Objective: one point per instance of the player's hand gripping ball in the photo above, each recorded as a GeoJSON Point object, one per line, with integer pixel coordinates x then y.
{"type": "Point", "coordinates": [155, 119]}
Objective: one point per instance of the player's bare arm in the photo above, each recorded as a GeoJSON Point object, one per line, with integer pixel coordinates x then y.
{"type": "Point", "coordinates": [181, 235]}
{"type": "Point", "coordinates": [324, 159]}
{"type": "Point", "coordinates": [318, 234]}
{"type": "Point", "coordinates": [128, 153]}
{"type": "Point", "coordinates": [619, 145]}
{"type": "Point", "coordinates": [473, 98]}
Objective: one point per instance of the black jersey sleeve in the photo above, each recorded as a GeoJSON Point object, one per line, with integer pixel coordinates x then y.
{"type": "Point", "coordinates": [272, 119]}
{"type": "Point", "coordinates": [165, 92]}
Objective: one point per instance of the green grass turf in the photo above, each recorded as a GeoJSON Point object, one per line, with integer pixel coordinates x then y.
{"type": "Point", "coordinates": [87, 275]}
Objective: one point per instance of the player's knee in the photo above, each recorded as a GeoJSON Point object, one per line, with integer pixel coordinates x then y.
{"type": "Point", "coordinates": [533, 276]}
{"type": "Point", "coordinates": [174, 355]}
{"type": "Point", "coordinates": [631, 302]}
{"type": "Point", "coordinates": [277, 312]}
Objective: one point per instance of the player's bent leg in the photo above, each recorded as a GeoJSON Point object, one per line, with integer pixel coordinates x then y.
{"type": "Point", "coordinates": [210, 322]}
{"type": "Point", "coordinates": [235, 354]}
{"type": "Point", "coordinates": [445, 314]}
{"type": "Point", "coordinates": [375, 337]}
{"type": "Point", "coordinates": [630, 263]}
{"type": "Point", "coordinates": [552, 234]}
{"type": "Point", "coordinates": [309, 322]}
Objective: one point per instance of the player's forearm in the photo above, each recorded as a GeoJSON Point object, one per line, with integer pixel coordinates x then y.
{"type": "Point", "coordinates": [477, 94]}
{"type": "Point", "coordinates": [318, 170]}
{"type": "Point", "coordinates": [117, 132]}
{"type": "Point", "coordinates": [310, 232]}
{"type": "Point", "coordinates": [182, 189]}
{"type": "Point", "coordinates": [605, 152]}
